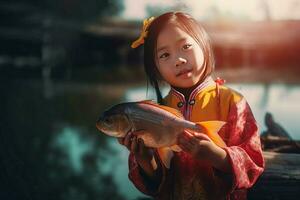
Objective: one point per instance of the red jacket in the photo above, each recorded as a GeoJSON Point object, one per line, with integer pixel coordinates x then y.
{"type": "Point", "coordinates": [189, 178]}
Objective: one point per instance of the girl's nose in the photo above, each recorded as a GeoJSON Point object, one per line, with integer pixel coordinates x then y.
{"type": "Point", "coordinates": [180, 61]}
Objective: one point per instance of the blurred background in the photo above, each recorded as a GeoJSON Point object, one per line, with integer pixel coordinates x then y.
{"type": "Point", "coordinates": [63, 62]}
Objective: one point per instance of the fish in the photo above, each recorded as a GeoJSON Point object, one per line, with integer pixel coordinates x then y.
{"type": "Point", "coordinates": [160, 126]}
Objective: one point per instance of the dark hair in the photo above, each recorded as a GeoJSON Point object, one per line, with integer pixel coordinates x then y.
{"type": "Point", "coordinates": [190, 26]}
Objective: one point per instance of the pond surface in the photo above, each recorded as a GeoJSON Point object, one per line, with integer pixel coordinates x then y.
{"type": "Point", "coordinates": [50, 148]}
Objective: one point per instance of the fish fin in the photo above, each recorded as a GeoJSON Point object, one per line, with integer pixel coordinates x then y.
{"type": "Point", "coordinates": [211, 130]}
{"type": "Point", "coordinates": [166, 108]}
{"type": "Point", "coordinates": [176, 148]}
{"type": "Point", "coordinates": [166, 155]}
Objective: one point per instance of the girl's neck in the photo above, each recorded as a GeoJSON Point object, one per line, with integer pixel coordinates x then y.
{"type": "Point", "coordinates": [187, 91]}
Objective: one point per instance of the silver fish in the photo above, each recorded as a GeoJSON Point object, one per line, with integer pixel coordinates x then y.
{"type": "Point", "coordinates": [161, 125]}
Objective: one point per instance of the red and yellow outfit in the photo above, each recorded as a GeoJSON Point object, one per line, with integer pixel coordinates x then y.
{"type": "Point", "coordinates": [189, 178]}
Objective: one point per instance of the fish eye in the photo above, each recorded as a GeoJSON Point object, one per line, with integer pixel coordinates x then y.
{"type": "Point", "coordinates": [107, 120]}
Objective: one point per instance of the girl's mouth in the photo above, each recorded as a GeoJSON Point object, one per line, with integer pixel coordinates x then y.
{"type": "Point", "coordinates": [185, 73]}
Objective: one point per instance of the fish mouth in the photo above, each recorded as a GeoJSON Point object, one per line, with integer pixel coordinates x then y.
{"type": "Point", "coordinates": [100, 121]}
{"type": "Point", "coordinates": [98, 124]}
{"type": "Point", "coordinates": [184, 71]}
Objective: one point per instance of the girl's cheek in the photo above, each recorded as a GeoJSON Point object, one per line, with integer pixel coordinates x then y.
{"type": "Point", "coordinates": [168, 64]}
{"type": "Point", "coordinates": [160, 69]}
{"type": "Point", "coordinates": [163, 66]}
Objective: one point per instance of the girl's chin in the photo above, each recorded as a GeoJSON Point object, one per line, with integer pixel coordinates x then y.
{"type": "Point", "coordinates": [185, 84]}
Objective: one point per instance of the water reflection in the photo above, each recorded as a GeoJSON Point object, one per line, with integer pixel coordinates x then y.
{"type": "Point", "coordinates": [111, 161]}
{"type": "Point", "coordinates": [69, 141]}
{"type": "Point", "coordinates": [50, 148]}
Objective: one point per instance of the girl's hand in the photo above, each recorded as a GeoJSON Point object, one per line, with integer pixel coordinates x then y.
{"type": "Point", "coordinates": [198, 145]}
{"type": "Point", "coordinates": [201, 147]}
{"type": "Point", "coordinates": [143, 155]}
{"type": "Point", "coordinates": [137, 146]}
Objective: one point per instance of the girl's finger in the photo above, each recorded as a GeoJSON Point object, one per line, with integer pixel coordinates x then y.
{"type": "Point", "coordinates": [188, 134]}
{"type": "Point", "coordinates": [194, 141]}
{"type": "Point", "coordinates": [127, 140]}
{"type": "Point", "coordinates": [185, 139]}
{"type": "Point", "coordinates": [185, 147]}
{"type": "Point", "coordinates": [185, 143]}
{"type": "Point", "coordinates": [184, 136]}
{"type": "Point", "coordinates": [134, 145]}
{"type": "Point", "coordinates": [201, 136]}
{"type": "Point", "coordinates": [141, 145]}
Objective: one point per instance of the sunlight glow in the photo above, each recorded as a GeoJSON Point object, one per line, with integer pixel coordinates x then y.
{"type": "Point", "coordinates": [219, 9]}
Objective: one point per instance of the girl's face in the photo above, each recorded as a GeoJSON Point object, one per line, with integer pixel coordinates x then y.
{"type": "Point", "coordinates": [179, 58]}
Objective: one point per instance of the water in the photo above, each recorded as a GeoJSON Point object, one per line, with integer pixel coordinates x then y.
{"type": "Point", "coordinates": [50, 148]}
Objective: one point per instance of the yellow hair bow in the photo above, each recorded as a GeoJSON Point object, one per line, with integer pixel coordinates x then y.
{"type": "Point", "coordinates": [143, 34]}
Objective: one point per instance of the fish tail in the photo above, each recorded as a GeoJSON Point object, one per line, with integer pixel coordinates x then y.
{"type": "Point", "coordinates": [211, 129]}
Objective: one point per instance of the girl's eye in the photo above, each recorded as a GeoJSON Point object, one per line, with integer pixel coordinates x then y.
{"type": "Point", "coordinates": [187, 46]}
{"type": "Point", "coordinates": [164, 55]}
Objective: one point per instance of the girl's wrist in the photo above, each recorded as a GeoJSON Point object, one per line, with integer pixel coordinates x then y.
{"type": "Point", "coordinates": [219, 159]}
{"type": "Point", "coordinates": [150, 169]}
{"type": "Point", "coordinates": [149, 164]}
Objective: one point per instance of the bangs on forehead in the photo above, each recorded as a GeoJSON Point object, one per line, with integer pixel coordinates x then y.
{"type": "Point", "coordinates": [188, 25]}
{"type": "Point", "coordinates": [182, 26]}
{"type": "Point", "coordinates": [192, 28]}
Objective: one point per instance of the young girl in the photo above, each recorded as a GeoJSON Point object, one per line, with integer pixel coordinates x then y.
{"type": "Point", "coordinates": [177, 51]}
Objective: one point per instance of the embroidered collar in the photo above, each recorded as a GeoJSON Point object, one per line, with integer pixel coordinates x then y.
{"type": "Point", "coordinates": [206, 83]}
